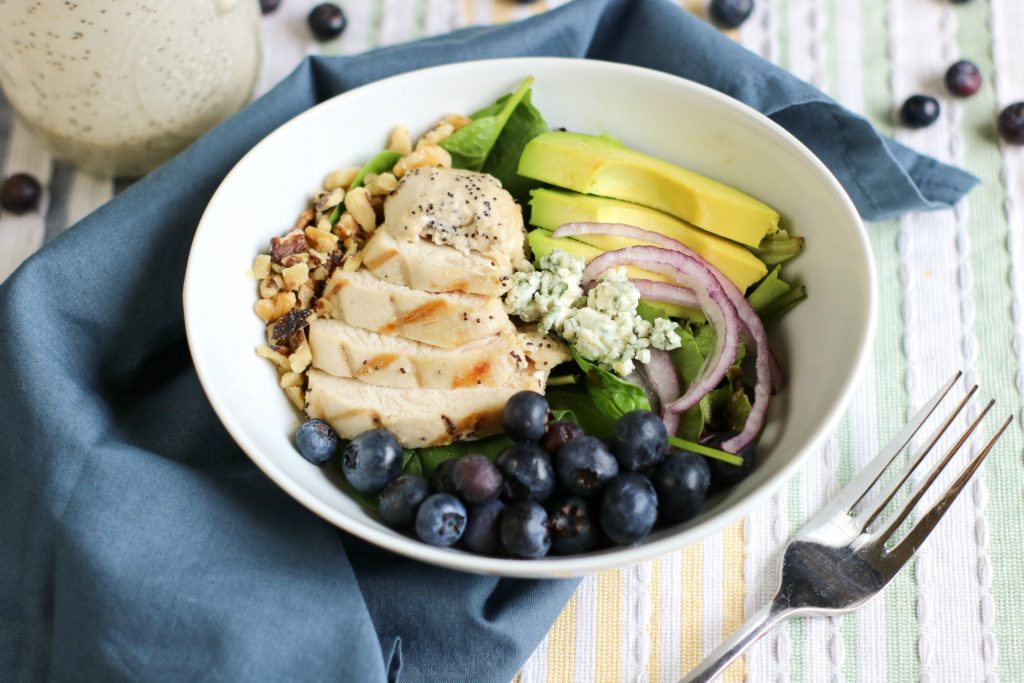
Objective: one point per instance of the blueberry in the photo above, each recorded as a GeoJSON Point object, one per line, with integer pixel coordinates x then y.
{"type": "Point", "coordinates": [268, 6]}
{"type": "Point", "coordinates": [527, 472]}
{"type": "Point", "coordinates": [731, 13]}
{"type": "Point", "coordinates": [524, 530]}
{"type": "Point", "coordinates": [476, 479]}
{"type": "Point", "coordinates": [400, 499]}
{"type": "Point", "coordinates": [316, 442]}
{"type": "Point", "coordinates": [371, 460]}
{"type": "Point", "coordinates": [443, 478]}
{"type": "Point", "coordinates": [724, 474]}
{"type": "Point", "coordinates": [1011, 123]}
{"type": "Point", "coordinates": [558, 433]}
{"type": "Point", "coordinates": [628, 508]}
{"type": "Point", "coordinates": [482, 534]}
{"type": "Point", "coordinates": [441, 519]}
{"type": "Point", "coordinates": [572, 526]}
{"type": "Point", "coordinates": [919, 111]}
{"type": "Point", "coordinates": [681, 481]}
{"type": "Point", "coordinates": [20, 193]}
{"type": "Point", "coordinates": [585, 465]}
{"type": "Point", "coordinates": [639, 440]}
{"type": "Point", "coordinates": [963, 78]}
{"type": "Point", "coordinates": [326, 21]}
{"type": "Point", "coordinates": [525, 417]}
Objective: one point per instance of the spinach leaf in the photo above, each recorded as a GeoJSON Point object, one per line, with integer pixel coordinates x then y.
{"type": "Point", "coordinates": [411, 463]}
{"type": "Point", "coordinates": [381, 162]}
{"type": "Point", "coordinates": [431, 457]}
{"type": "Point", "coordinates": [612, 396]}
{"type": "Point", "coordinates": [575, 404]}
{"type": "Point", "coordinates": [470, 145]}
{"type": "Point", "coordinates": [768, 290]}
{"type": "Point", "coordinates": [525, 124]}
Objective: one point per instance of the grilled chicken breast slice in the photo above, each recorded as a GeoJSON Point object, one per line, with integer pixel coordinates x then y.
{"type": "Point", "coordinates": [345, 351]}
{"type": "Point", "coordinates": [461, 209]}
{"type": "Point", "coordinates": [448, 320]}
{"type": "Point", "coordinates": [424, 265]}
{"type": "Point", "coordinates": [417, 417]}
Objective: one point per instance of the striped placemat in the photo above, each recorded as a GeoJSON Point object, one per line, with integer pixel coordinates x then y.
{"type": "Point", "coordinates": [950, 298]}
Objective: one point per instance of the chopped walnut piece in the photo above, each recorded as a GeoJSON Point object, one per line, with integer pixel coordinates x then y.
{"type": "Point", "coordinates": [437, 134]}
{"type": "Point", "coordinates": [269, 287]}
{"type": "Point", "coordinates": [358, 204]}
{"type": "Point", "coordinates": [323, 308]}
{"type": "Point", "coordinates": [291, 244]}
{"type": "Point", "coordinates": [352, 263]}
{"type": "Point", "coordinates": [400, 141]}
{"type": "Point", "coordinates": [273, 309]}
{"type": "Point", "coordinates": [322, 240]}
{"type": "Point", "coordinates": [294, 276]}
{"type": "Point", "coordinates": [291, 379]}
{"type": "Point", "coordinates": [300, 358]}
{"type": "Point", "coordinates": [341, 178]}
{"type": "Point", "coordinates": [276, 357]}
{"type": "Point", "coordinates": [329, 200]}
{"type": "Point", "coordinates": [320, 273]}
{"type": "Point", "coordinates": [385, 183]}
{"type": "Point", "coordinates": [457, 120]}
{"type": "Point", "coordinates": [425, 155]}
{"type": "Point", "coordinates": [306, 293]}
{"type": "Point", "coordinates": [346, 226]}
{"type": "Point", "coordinates": [305, 218]}
{"type": "Point", "coordinates": [296, 396]}
{"type": "Point", "coordinates": [261, 266]}
{"type": "Point", "coordinates": [291, 322]}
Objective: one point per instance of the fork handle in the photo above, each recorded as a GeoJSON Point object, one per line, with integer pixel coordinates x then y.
{"type": "Point", "coordinates": [756, 626]}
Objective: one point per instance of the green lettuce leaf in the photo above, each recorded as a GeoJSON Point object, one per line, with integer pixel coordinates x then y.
{"type": "Point", "coordinates": [768, 290]}
{"type": "Point", "coordinates": [778, 247]}
{"type": "Point", "coordinates": [471, 144]}
{"type": "Point", "coordinates": [612, 395]}
{"type": "Point", "coordinates": [523, 125]}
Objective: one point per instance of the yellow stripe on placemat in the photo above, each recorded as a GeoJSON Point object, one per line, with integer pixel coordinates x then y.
{"type": "Point", "coordinates": [654, 623]}
{"type": "Point", "coordinates": [562, 644]}
{"type": "Point", "coordinates": [608, 647]}
{"type": "Point", "coordinates": [733, 594]}
{"type": "Point", "coordinates": [691, 584]}
{"type": "Point", "coordinates": [467, 16]}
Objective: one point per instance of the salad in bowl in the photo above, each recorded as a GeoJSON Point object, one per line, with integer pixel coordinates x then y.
{"type": "Point", "coordinates": [517, 339]}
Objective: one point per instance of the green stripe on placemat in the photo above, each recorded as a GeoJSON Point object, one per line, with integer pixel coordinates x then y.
{"type": "Point", "coordinates": [994, 331]}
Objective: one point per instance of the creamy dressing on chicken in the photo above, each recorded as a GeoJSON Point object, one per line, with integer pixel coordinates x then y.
{"type": "Point", "coordinates": [464, 210]}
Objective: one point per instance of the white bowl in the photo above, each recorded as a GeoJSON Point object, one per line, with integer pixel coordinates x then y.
{"type": "Point", "coordinates": [822, 344]}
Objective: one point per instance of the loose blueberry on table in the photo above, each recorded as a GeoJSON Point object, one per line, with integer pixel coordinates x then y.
{"type": "Point", "coordinates": [919, 111]}
{"type": "Point", "coordinates": [20, 193]}
{"type": "Point", "coordinates": [327, 21]}
{"type": "Point", "coordinates": [963, 78]}
{"type": "Point", "coordinates": [1011, 124]}
{"type": "Point", "coordinates": [731, 13]}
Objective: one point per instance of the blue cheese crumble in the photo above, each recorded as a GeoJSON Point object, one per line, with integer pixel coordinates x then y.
{"type": "Point", "coordinates": [602, 326]}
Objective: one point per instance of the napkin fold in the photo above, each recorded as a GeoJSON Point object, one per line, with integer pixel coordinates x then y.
{"type": "Point", "coordinates": [139, 543]}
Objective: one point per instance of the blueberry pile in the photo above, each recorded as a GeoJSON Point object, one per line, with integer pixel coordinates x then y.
{"type": "Point", "coordinates": [554, 490]}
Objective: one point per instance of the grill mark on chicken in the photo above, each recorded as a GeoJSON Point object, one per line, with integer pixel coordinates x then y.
{"type": "Point", "coordinates": [477, 375]}
{"type": "Point", "coordinates": [381, 259]}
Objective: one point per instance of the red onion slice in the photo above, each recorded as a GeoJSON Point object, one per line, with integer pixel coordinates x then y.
{"type": "Point", "coordinates": [747, 314]}
{"type": "Point", "coordinates": [688, 272]}
{"type": "Point", "coordinates": [768, 372]}
{"type": "Point", "coordinates": [661, 377]}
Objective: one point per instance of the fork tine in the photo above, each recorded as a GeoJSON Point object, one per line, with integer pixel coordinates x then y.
{"type": "Point", "coordinates": [894, 523]}
{"type": "Point", "coordinates": [862, 483]}
{"type": "Point", "coordinates": [871, 512]}
{"type": "Point", "coordinates": [913, 540]}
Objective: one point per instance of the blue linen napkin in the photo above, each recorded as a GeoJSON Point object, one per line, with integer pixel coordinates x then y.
{"type": "Point", "coordinates": [139, 543]}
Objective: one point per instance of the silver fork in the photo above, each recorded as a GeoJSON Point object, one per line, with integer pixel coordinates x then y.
{"type": "Point", "coordinates": [834, 564]}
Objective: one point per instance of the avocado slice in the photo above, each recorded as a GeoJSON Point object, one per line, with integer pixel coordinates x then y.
{"type": "Point", "coordinates": [594, 165]}
{"type": "Point", "coordinates": [552, 208]}
{"type": "Point", "coordinates": [542, 243]}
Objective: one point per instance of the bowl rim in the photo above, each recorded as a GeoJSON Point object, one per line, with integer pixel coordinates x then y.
{"type": "Point", "coordinates": [552, 566]}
